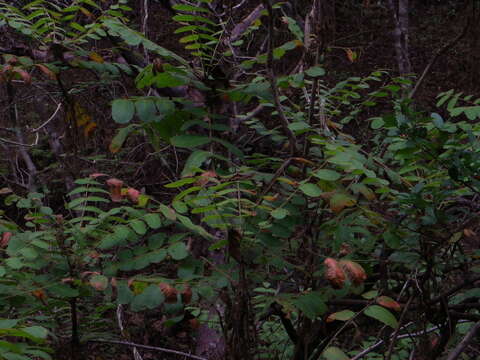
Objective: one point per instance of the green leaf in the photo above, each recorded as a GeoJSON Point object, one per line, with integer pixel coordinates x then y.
{"type": "Point", "coordinates": [99, 282]}
{"type": "Point", "coordinates": [146, 109]}
{"type": "Point", "coordinates": [328, 175]}
{"type": "Point", "coordinates": [182, 182]}
{"type": "Point", "coordinates": [150, 298]}
{"type": "Point", "coordinates": [119, 139]}
{"type": "Point", "coordinates": [122, 110]}
{"type": "Point", "coordinates": [381, 314]}
{"type": "Point", "coordinates": [138, 226]}
{"type": "Point", "coordinates": [178, 251]}
{"type": "Point", "coordinates": [153, 220]}
{"type": "Point", "coordinates": [334, 353]}
{"type": "Point", "coordinates": [310, 189]}
{"type": "Point", "coordinates": [190, 8]}
{"type": "Point", "coordinates": [279, 213]}
{"type": "Point", "coordinates": [125, 295]}
{"type": "Point", "coordinates": [343, 315]}
{"type": "Point", "coordinates": [311, 304]}
{"type": "Point", "coordinates": [195, 160]}
{"type": "Point", "coordinates": [36, 331]}
{"type": "Point", "coordinates": [189, 141]}
{"type": "Point", "coordinates": [315, 71]}
{"type": "Point", "coordinates": [377, 123]}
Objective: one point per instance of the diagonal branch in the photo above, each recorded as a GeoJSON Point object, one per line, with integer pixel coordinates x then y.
{"type": "Point", "coordinates": [273, 81]}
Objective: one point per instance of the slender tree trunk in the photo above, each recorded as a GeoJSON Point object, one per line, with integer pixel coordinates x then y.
{"type": "Point", "coordinates": [399, 11]}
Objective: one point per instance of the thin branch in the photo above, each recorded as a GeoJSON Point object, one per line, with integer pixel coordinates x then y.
{"type": "Point", "coordinates": [434, 59]}
{"type": "Point", "coordinates": [464, 343]}
{"type": "Point", "coordinates": [273, 81]}
{"type": "Point", "coordinates": [170, 351]}
{"type": "Point", "coordinates": [49, 119]}
{"type": "Point", "coordinates": [403, 336]}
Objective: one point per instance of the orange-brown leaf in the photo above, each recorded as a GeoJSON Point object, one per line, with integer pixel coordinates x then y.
{"type": "Point", "coordinates": [334, 273]}
{"type": "Point", "coordinates": [388, 303]}
{"type": "Point", "coordinates": [169, 292]}
{"type": "Point", "coordinates": [115, 186]}
{"type": "Point", "coordinates": [187, 295]}
{"type": "Point", "coordinates": [49, 73]}
{"type": "Point", "coordinates": [96, 57]}
{"type": "Point", "coordinates": [355, 271]}
{"type": "Point", "coordinates": [133, 195]}
{"type": "Point", "coordinates": [6, 236]}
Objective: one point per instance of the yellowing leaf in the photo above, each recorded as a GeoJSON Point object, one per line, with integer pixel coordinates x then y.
{"type": "Point", "coordinates": [389, 303]}
{"type": "Point", "coordinates": [89, 128]}
{"type": "Point", "coordinates": [343, 315]}
{"type": "Point", "coordinates": [351, 55]}
{"type": "Point", "coordinates": [338, 202]}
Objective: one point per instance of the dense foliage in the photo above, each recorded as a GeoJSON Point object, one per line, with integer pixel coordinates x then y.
{"type": "Point", "coordinates": [295, 217]}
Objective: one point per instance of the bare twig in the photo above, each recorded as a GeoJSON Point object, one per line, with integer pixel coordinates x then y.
{"type": "Point", "coordinates": [403, 336]}
{"type": "Point", "coordinates": [273, 81]}
{"type": "Point", "coordinates": [434, 59]}
{"type": "Point", "coordinates": [241, 27]}
{"type": "Point", "coordinates": [464, 343]}
{"type": "Point", "coordinates": [49, 119]}
{"type": "Point", "coordinates": [170, 351]}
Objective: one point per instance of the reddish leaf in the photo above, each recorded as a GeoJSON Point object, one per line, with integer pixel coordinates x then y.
{"type": "Point", "coordinates": [334, 273]}
{"type": "Point", "coordinates": [194, 324]}
{"type": "Point", "coordinates": [115, 186]}
{"type": "Point", "coordinates": [389, 303]}
{"type": "Point", "coordinates": [50, 74]}
{"type": "Point", "coordinates": [99, 282]}
{"type": "Point", "coordinates": [187, 295]}
{"type": "Point", "coordinates": [24, 75]}
{"type": "Point", "coordinates": [206, 177]}
{"type": "Point", "coordinates": [6, 236]}
{"type": "Point", "coordinates": [169, 292]}
{"type": "Point", "coordinates": [40, 295]}
{"type": "Point", "coordinates": [338, 202]}
{"type": "Point", "coordinates": [133, 195]}
{"type": "Point", "coordinates": [96, 175]}
{"type": "Point", "coordinates": [355, 271]}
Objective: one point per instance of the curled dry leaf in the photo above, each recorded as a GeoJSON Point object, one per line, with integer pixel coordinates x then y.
{"type": "Point", "coordinates": [194, 324]}
{"type": "Point", "coordinates": [49, 73]}
{"type": "Point", "coordinates": [115, 186]}
{"type": "Point", "coordinates": [187, 295]}
{"type": "Point", "coordinates": [388, 303]}
{"type": "Point", "coordinates": [334, 273]}
{"type": "Point", "coordinates": [169, 292]}
{"type": "Point", "coordinates": [469, 232]}
{"type": "Point", "coordinates": [133, 195]}
{"type": "Point", "coordinates": [5, 191]}
{"type": "Point", "coordinates": [355, 271]}
{"type": "Point", "coordinates": [40, 295]}
{"type": "Point", "coordinates": [6, 236]}
{"type": "Point", "coordinates": [205, 177]}
{"type": "Point", "coordinates": [96, 175]}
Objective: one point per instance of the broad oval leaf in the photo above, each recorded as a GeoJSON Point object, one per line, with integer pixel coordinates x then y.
{"type": "Point", "coordinates": [381, 314]}
{"type": "Point", "coordinates": [310, 189]}
{"type": "Point", "coordinates": [326, 174]}
{"type": "Point", "coordinates": [122, 110]}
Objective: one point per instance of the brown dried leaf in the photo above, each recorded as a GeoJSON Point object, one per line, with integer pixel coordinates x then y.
{"type": "Point", "coordinates": [133, 195]}
{"type": "Point", "coordinates": [334, 273]}
{"type": "Point", "coordinates": [355, 271]}
{"type": "Point", "coordinates": [187, 295]}
{"type": "Point", "coordinates": [49, 73]}
{"type": "Point", "coordinates": [115, 186]}
{"type": "Point", "coordinates": [6, 236]}
{"type": "Point", "coordinates": [169, 292]}
{"type": "Point", "coordinates": [388, 303]}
